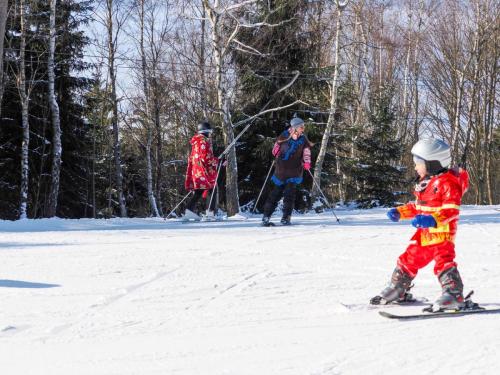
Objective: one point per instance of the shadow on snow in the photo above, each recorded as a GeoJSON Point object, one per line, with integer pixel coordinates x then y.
{"type": "Point", "coordinates": [25, 284]}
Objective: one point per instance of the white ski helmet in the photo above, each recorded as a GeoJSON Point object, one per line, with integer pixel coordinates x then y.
{"type": "Point", "coordinates": [435, 152]}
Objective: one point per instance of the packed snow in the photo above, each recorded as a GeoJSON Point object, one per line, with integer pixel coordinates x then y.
{"type": "Point", "coordinates": [149, 296]}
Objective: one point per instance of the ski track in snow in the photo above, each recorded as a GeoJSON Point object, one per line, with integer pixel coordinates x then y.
{"type": "Point", "coordinates": [147, 296]}
{"type": "Point", "coordinates": [96, 308]}
{"type": "Point", "coordinates": [239, 285]}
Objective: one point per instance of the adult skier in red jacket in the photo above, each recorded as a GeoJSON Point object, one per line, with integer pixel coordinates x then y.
{"type": "Point", "coordinates": [201, 172]}
{"type": "Point", "coordinates": [434, 213]}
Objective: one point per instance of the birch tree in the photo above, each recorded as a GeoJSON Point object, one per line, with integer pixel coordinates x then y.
{"type": "Point", "coordinates": [220, 45]}
{"type": "Point", "coordinates": [225, 27]}
{"type": "Point", "coordinates": [112, 16]}
{"type": "Point", "coordinates": [147, 118]}
{"type": "Point", "coordinates": [3, 22]}
{"type": "Point", "coordinates": [24, 93]}
{"type": "Point", "coordinates": [56, 122]}
{"type": "Point", "coordinates": [318, 168]}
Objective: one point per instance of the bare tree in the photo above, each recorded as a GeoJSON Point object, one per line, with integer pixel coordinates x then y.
{"type": "Point", "coordinates": [318, 168]}
{"type": "Point", "coordinates": [147, 118]}
{"type": "Point", "coordinates": [56, 122]}
{"type": "Point", "coordinates": [3, 22]}
{"type": "Point", "coordinates": [24, 93]}
{"type": "Point", "coordinates": [225, 26]}
{"type": "Point", "coordinates": [220, 44]}
{"type": "Point", "coordinates": [114, 16]}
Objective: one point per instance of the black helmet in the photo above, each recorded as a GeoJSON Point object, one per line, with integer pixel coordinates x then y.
{"type": "Point", "coordinates": [204, 128]}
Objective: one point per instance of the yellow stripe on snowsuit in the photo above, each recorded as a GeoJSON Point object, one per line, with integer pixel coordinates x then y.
{"type": "Point", "coordinates": [435, 209]}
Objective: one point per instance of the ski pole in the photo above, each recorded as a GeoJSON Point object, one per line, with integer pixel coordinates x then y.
{"type": "Point", "coordinates": [261, 190]}
{"type": "Point", "coordinates": [216, 178]}
{"type": "Point", "coordinates": [326, 200]}
{"type": "Point", "coordinates": [183, 199]}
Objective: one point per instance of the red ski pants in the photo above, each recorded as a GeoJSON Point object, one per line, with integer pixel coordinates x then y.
{"type": "Point", "coordinates": [416, 257]}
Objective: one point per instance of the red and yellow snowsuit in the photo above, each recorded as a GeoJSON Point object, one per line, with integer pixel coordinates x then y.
{"type": "Point", "coordinates": [441, 199]}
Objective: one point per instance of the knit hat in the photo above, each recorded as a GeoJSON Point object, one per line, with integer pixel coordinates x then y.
{"type": "Point", "coordinates": [296, 122]}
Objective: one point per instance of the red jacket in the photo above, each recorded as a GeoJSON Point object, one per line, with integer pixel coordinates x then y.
{"type": "Point", "coordinates": [441, 199]}
{"type": "Point", "coordinates": [202, 164]}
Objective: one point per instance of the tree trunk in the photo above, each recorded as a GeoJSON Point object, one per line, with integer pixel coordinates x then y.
{"type": "Point", "coordinates": [203, 83]}
{"type": "Point", "coordinates": [159, 142]}
{"type": "Point", "coordinates": [232, 198]}
{"type": "Point", "coordinates": [23, 93]}
{"type": "Point", "coordinates": [403, 123]}
{"type": "Point", "coordinates": [416, 74]}
{"type": "Point", "coordinates": [318, 168]}
{"type": "Point", "coordinates": [35, 200]}
{"type": "Point", "coordinates": [147, 120]}
{"type": "Point", "coordinates": [490, 125]}
{"type": "Point", "coordinates": [3, 22]}
{"type": "Point", "coordinates": [114, 104]}
{"type": "Point", "coordinates": [56, 123]}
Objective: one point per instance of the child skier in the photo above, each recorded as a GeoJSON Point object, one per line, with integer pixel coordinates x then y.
{"type": "Point", "coordinates": [293, 155]}
{"type": "Point", "coordinates": [435, 214]}
{"type": "Point", "coordinates": [201, 172]}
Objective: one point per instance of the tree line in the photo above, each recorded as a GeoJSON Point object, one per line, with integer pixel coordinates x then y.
{"type": "Point", "coordinates": [99, 98]}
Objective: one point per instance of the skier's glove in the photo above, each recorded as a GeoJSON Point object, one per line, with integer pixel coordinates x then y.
{"type": "Point", "coordinates": [307, 166]}
{"type": "Point", "coordinates": [393, 214]}
{"type": "Point", "coordinates": [276, 149]}
{"type": "Point", "coordinates": [424, 221]}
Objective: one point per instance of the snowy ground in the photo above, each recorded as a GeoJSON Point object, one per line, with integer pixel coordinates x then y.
{"type": "Point", "coordinates": [144, 296]}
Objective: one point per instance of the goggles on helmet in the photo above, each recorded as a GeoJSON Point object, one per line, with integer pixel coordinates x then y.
{"type": "Point", "coordinates": [418, 160]}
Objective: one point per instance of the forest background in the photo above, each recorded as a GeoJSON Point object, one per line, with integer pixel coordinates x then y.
{"type": "Point", "coordinates": [99, 98]}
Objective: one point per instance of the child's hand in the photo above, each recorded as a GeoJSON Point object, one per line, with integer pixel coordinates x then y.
{"type": "Point", "coordinates": [424, 221]}
{"type": "Point", "coordinates": [393, 214]}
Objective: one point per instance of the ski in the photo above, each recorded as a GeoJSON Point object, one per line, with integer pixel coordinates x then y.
{"type": "Point", "coordinates": [202, 221]}
{"type": "Point", "coordinates": [439, 314]}
{"type": "Point", "coordinates": [185, 221]}
{"type": "Point", "coordinates": [414, 301]}
{"type": "Point", "coordinates": [268, 224]}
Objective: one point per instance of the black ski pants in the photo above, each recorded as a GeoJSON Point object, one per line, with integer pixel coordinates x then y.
{"type": "Point", "coordinates": [198, 193]}
{"type": "Point", "coordinates": [286, 191]}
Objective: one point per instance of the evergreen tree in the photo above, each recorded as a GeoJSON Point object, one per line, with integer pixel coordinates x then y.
{"type": "Point", "coordinates": [70, 83]}
{"type": "Point", "coordinates": [284, 48]}
{"type": "Point", "coordinates": [376, 172]}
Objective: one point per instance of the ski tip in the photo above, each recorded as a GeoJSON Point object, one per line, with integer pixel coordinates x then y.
{"type": "Point", "coordinates": [385, 314]}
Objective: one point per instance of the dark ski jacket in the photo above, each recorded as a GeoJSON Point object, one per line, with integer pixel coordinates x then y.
{"type": "Point", "coordinates": [290, 155]}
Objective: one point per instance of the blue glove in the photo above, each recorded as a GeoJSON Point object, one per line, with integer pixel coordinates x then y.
{"type": "Point", "coordinates": [424, 221]}
{"type": "Point", "coordinates": [393, 214]}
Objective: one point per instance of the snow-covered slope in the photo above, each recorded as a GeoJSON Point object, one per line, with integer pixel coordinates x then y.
{"type": "Point", "coordinates": [145, 296]}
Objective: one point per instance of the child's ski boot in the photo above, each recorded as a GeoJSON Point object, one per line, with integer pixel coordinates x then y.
{"type": "Point", "coordinates": [397, 291]}
{"type": "Point", "coordinates": [452, 291]}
